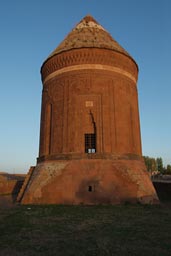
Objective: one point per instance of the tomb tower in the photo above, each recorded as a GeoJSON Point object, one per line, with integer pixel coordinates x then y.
{"type": "Point", "coordinates": [90, 143]}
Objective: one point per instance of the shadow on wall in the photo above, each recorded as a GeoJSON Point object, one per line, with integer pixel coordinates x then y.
{"type": "Point", "coordinates": [112, 195]}
{"type": "Point", "coordinates": [10, 186]}
{"type": "Point", "coordinates": [163, 190]}
{"type": "Point", "coordinates": [9, 200]}
{"type": "Point", "coordinates": [16, 189]}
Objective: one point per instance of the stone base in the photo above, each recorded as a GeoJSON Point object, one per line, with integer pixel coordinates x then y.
{"type": "Point", "coordinates": [90, 181]}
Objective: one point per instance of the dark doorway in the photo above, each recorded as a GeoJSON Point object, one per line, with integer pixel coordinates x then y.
{"type": "Point", "coordinates": [90, 189]}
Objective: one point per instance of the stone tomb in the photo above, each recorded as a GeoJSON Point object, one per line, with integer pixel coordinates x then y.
{"type": "Point", "coordinates": [90, 143]}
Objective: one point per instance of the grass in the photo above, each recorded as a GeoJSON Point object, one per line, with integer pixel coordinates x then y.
{"type": "Point", "coordinates": [85, 230]}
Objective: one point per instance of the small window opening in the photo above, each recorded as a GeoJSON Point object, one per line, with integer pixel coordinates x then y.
{"type": "Point", "coordinates": [90, 143]}
{"type": "Point", "coordinates": [90, 189]}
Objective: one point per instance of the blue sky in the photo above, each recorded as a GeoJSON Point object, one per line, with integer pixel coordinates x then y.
{"type": "Point", "coordinates": [31, 30]}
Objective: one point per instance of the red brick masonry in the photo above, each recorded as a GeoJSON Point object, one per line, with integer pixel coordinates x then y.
{"type": "Point", "coordinates": [89, 88]}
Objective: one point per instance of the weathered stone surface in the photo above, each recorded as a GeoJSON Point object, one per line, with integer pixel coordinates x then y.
{"type": "Point", "coordinates": [110, 182]}
{"type": "Point", "coordinates": [89, 88]}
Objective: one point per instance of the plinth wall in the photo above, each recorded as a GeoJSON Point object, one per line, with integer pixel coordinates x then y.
{"type": "Point", "coordinates": [90, 181]}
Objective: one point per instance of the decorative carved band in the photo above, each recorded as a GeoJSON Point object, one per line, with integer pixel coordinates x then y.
{"type": "Point", "coordinates": [88, 56]}
{"type": "Point", "coordinates": [90, 67]}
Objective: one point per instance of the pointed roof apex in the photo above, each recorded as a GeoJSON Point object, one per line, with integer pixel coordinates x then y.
{"type": "Point", "coordinates": [88, 33]}
{"type": "Point", "coordinates": [88, 21]}
{"type": "Point", "coordinates": [88, 18]}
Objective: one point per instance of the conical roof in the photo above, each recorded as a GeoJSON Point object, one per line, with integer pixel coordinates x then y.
{"type": "Point", "coordinates": [88, 33]}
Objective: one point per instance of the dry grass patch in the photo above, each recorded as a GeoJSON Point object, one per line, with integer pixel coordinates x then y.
{"type": "Point", "coordinates": [86, 230]}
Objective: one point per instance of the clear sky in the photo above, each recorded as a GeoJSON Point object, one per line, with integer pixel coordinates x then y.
{"type": "Point", "coordinates": [31, 30]}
